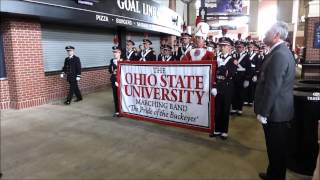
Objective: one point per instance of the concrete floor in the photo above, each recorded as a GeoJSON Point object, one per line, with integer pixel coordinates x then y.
{"type": "Point", "coordinates": [84, 141]}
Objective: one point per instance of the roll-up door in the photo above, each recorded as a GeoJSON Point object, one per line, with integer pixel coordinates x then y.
{"type": "Point", "coordinates": [92, 45]}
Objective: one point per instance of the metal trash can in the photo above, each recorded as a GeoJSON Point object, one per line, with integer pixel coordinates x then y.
{"type": "Point", "coordinates": [303, 141]}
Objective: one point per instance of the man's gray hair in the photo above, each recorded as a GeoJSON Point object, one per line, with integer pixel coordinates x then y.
{"type": "Point", "coordinates": [281, 28]}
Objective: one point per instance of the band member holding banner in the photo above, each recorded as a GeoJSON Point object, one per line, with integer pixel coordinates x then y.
{"type": "Point", "coordinates": [186, 46]}
{"type": "Point", "coordinates": [248, 98]}
{"type": "Point", "coordinates": [147, 54]}
{"type": "Point", "coordinates": [241, 78]}
{"type": "Point", "coordinates": [113, 71]}
{"type": "Point", "coordinates": [200, 53]}
{"type": "Point", "coordinates": [227, 67]}
{"type": "Point", "coordinates": [131, 54]}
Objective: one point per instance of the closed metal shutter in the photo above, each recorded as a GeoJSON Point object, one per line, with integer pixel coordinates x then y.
{"type": "Point", "coordinates": [154, 39]}
{"type": "Point", "coordinates": [92, 46]}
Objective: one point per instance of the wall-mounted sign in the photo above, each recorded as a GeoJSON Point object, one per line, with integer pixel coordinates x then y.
{"type": "Point", "coordinates": [223, 6]}
{"type": "Point", "coordinates": [203, 14]}
{"type": "Point", "coordinates": [141, 14]}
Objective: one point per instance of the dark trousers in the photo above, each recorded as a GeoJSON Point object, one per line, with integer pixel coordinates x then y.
{"type": "Point", "coordinates": [238, 94]}
{"type": "Point", "coordinates": [115, 96]}
{"type": "Point", "coordinates": [222, 106]}
{"type": "Point", "coordinates": [74, 89]}
{"type": "Point", "coordinates": [249, 92]}
{"type": "Point", "coordinates": [276, 135]}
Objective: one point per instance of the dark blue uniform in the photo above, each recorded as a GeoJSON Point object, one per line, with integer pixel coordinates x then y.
{"type": "Point", "coordinates": [72, 68]}
{"type": "Point", "coordinates": [113, 78]}
{"type": "Point", "coordinates": [249, 91]}
{"type": "Point", "coordinates": [243, 74]}
{"type": "Point", "coordinates": [224, 84]}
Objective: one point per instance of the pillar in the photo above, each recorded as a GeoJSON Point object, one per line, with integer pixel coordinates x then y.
{"type": "Point", "coordinates": [24, 62]}
{"type": "Point", "coordinates": [311, 68]}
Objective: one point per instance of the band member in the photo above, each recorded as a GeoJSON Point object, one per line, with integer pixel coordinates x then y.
{"type": "Point", "coordinates": [167, 54]}
{"type": "Point", "coordinates": [227, 67]}
{"type": "Point", "coordinates": [147, 54]}
{"type": "Point", "coordinates": [200, 53]}
{"type": "Point", "coordinates": [113, 71]}
{"type": "Point", "coordinates": [186, 46]}
{"type": "Point", "coordinates": [175, 49]}
{"type": "Point", "coordinates": [241, 78]}
{"type": "Point", "coordinates": [131, 53]}
{"type": "Point", "coordinates": [161, 54]}
{"type": "Point", "coordinates": [248, 98]}
{"type": "Point", "coordinates": [258, 63]}
{"type": "Point", "coordinates": [72, 68]}
{"type": "Point", "coordinates": [211, 46]}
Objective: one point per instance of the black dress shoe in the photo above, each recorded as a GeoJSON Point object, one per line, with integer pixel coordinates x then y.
{"type": "Point", "coordinates": [224, 137]}
{"type": "Point", "coordinates": [263, 176]}
{"type": "Point", "coordinates": [67, 102]}
{"type": "Point", "coordinates": [116, 114]}
{"type": "Point", "coordinates": [214, 135]}
{"type": "Point", "coordinates": [77, 100]}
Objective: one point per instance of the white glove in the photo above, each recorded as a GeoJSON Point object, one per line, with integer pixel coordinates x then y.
{"type": "Point", "coordinates": [78, 78]}
{"type": "Point", "coordinates": [254, 78]}
{"type": "Point", "coordinates": [61, 75]}
{"type": "Point", "coordinates": [214, 91]}
{"type": "Point", "coordinates": [261, 119]}
{"type": "Point", "coordinates": [117, 84]}
{"type": "Point", "coordinates": [245, 84]}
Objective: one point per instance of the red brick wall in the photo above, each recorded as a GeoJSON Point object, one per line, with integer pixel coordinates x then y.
{"type": "Point", "coordinates": [26, 83]}
{"type": "Point", "coordinates": [57, 88]}
{"type": "Point", "coordinates": [312, 54]}
{"type": "Point", "coordinates": [23, 57]}
{"type": "Point", "coordinates": [4, 94]}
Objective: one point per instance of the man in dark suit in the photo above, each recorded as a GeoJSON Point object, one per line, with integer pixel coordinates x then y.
{"type": "Point", "coordinates": [148, 53]}
{"type": "Point", "coordinates": [274, 99]}
{"type": "Point", "coordinates": [72, 68]}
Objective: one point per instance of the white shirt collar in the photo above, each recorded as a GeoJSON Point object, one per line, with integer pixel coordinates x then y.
{"type": "Point", "coordinates": [275, 45]}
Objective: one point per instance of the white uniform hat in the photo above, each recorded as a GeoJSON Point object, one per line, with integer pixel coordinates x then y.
{"type": "Point", "coordinates": [202, 30]}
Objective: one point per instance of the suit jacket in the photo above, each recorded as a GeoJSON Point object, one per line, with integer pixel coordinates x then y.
{"type": "Point", "coordinates": [72, 67]}
{"type": "Point", "coordinates": [274, 90]}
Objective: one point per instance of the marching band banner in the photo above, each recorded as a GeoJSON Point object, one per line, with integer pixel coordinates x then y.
{"type": "Point", "coordinates": [175, 93]}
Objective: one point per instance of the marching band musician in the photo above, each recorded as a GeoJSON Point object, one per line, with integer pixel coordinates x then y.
{"type": "Point", "coordinates": [113, 71]}
{"type": "Point", "coordinates": [200, 53]}
{"type": "Point", "coordinates": [167, 56]}
{"type": "Point", "coordinates": [161, 54]}
{"type": "Point", "coordinates": [241, 78]}
{"type": "Point", "coordinates": [227, 67]}
{"type": "Point", "coordinates": [186, 46]}
{"type": "Point", "coordinates": [147, 54]}
{"type": "Point", "coordinates": [248, 98]}
{"type": "Point", "coordinates": [131, 53]}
